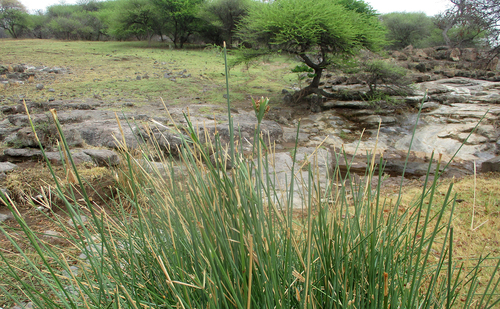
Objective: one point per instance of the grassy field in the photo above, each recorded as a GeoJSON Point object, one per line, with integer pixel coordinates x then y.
{"type": "Point", "coordinates": [109, 71]}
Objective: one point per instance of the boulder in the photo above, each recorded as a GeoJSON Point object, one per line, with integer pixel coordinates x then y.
{"type": "Point", "coordinates": [338, 80]}
{"type": "Point", "coordinates": [103, 157]}
{"type": "Point", "coordinates": [399, 56]}
{"type": "Point", "coordinates": [5, 217]}
{"type": "Point", "coordinates": [455, 54]}
{"type": "Point", "coordinates": [290, 136]}
{"type": "Point", "coordinates": [352, 80]}
{"type": "Point", "coordinates": [245, 125]}
{"type": "Point", "coordinates": [6, 167]}
{"type": "Point", "coordinates": [469, 54]}
{"type": "Point", "coordinates": [491, 165]}
{"type": "Point", "coordinates": [21, 155]}
{"type": "Point", "coordinates": [372, 121]}
{"type": "Point", "coordinates": [423, 67]}
{"type": "Point", "coordinates": [346, 104]}
{"type": "Point", "coordinates": [57, 158]}
{"type": "Point", "coordinates": [492, 65]}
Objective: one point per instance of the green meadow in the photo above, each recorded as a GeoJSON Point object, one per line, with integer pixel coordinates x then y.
{"type": "Point", "coordinates": [109, 71]}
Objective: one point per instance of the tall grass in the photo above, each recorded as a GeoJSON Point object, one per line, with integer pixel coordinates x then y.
{"type": "Point", "coordinates": [229, 238]}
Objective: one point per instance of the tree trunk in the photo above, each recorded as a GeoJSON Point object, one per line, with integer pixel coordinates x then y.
{"type": "Point", "coordinates": [445, 35]}
{"type": "Point", "coordinates": [312, 88]}
{"type": "Point", "coordinates": [12, 32]}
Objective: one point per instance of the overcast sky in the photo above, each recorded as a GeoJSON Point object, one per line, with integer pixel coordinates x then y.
{"type": "Point", "coordinates": [430, 7]}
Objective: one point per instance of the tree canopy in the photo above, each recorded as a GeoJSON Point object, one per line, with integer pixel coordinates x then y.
{"type": "Point", "coordinates": [13, 17]}
{"type": "Point", "coordinates": [225, 15]}
{"type": "Point", "coordinates": [319, 29]}
{"type": "Point", "coordinates": [405, 29]}
{"type": "Point", "coordinates": [466, 15]}
{"type": "Point", "coordinates": [316, 31]}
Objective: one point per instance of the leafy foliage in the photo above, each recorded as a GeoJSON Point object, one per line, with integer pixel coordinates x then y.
{"type": "Point", "coordinates": [387, 75]}
{"type": "Point", "coordinates": [13, 17]}
{"type": "Point", "coordinates": [179, 18]}
{"type": "Point", "coordinates": [138, 18]}
{"type": "Point", "coordinates": [405, 29]}
{"type": "Point", "coordinates": [471, 17]}
{"type": "Point", "coordinates": [312, 30]}
{"type": "Point", "coordinates": [224, 15]}
{"type": "Point", "coordinates": [83, 21]}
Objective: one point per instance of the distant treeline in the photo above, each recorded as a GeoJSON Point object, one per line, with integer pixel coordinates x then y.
{"type": "Point", "coordinates": [203, 21]}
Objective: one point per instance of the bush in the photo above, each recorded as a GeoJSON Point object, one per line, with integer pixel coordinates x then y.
{"type": "Point", "coordinates": [386, 75]}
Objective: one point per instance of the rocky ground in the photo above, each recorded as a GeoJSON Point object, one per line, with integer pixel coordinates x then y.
{"type": "Point", "coordinates": [459, 122]}
{"type": "Point", "coordinates": [460, 111]}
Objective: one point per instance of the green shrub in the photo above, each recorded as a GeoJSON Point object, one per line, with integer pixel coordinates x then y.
{"type": "Point", "coordinates": [388, 76]}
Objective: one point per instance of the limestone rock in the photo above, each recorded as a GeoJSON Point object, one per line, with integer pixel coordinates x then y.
{"type": "Point", "coordinates": [290, 136]}
{"type": "Point", "coordinates": [23, 154]}
{"type": "Point", "coordinates": [54, 238]}
{"type": "Point", "coordinates": [455, 54]}
{"type": "Point", "coordinates": [469, 54]}
{"type": "Point", "coordinates": [488, 131]}
{"type": "Point", "coordinates": [244, 124]}
{"type": "Point", "coordinates": [6, 167]}
{"type": "Point", "coordinates": [78, 220]}
{"type": "Point", "coordinates": [5, 217]}
{"type": "Point", "coordinates": [346, 104]}
{"type": "Point", "coordinates": [166, 139]}
{"type": "Point", "coordinates": [103, 157]}
{"type": "Point", "coordinates": [473, 139]}
{"type": "Point", "coordinates": [57, 158]}
{"type": "Point", "coordinates": [163, 170]}
{"type": "Point", "coordinates": [491, 165]}
{"type": "Point", "coordinates": [372, 121]}
{"type": "Point", "coordinates": [399, 56]}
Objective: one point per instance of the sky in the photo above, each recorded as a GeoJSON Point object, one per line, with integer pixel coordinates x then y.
{"type": "Point", "coordinates": [430, 7]}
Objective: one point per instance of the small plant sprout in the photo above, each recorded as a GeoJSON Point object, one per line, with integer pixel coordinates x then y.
{"type": "Point", "coordinates": [261, 107]}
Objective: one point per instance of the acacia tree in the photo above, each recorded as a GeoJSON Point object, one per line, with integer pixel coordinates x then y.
{"type": "Point", "coordinates": [406, 28]}
{"type": "Point", "coordinates": [13, 17]}
{"type": "Point", "coordinates": [490, 10]}
{"type": "Point", "coordinates": [316, 31]}
{"type": "Point", "coordinates": [181, 18]}
{"type": "Point", "coordinates": [137, 18]}
{"type": "Point", "coordinates": [225, 15]}
{"type": "Point", "coordinates": [468, 16]}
